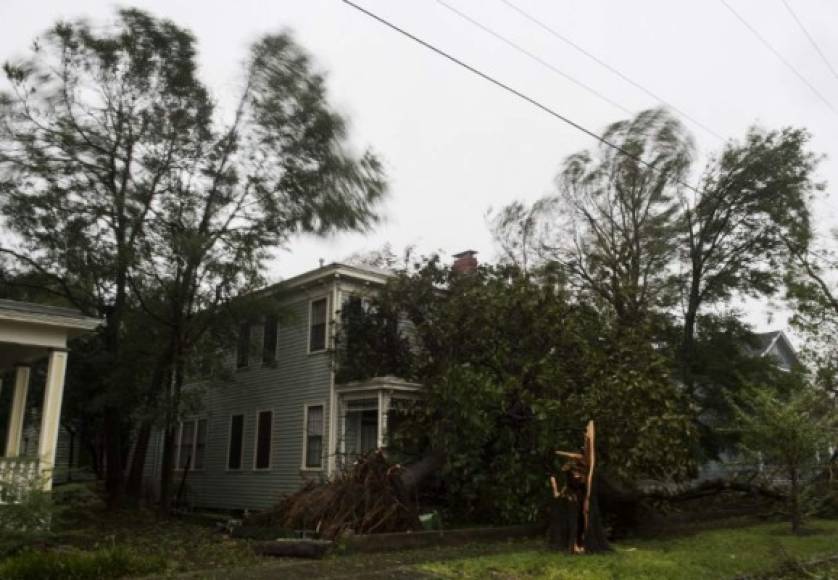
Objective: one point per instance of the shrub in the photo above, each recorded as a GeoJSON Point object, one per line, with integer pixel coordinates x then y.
{"type": "Point", "coordinates": [26, 518]}
{"type": "Point", "coordinates": [32, 515]}
{"type": "Point", "coordinates": [114, 562]}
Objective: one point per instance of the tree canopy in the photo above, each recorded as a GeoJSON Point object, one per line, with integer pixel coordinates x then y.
{"type": "Point", "coordinates": [127, 190]}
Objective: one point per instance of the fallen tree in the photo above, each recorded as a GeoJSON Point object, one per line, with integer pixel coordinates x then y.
{"type": "Point", "coordinates": [696, 489]}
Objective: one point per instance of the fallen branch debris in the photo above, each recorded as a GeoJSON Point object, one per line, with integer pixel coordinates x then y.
{"type": "Point", "coordinates": [367, 498]}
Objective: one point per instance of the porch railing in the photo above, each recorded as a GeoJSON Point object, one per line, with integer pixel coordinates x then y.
{"type": "Point", "coordinates": [18, 476]}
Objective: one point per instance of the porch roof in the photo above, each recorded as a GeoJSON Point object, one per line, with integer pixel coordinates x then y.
{"type": "Point", "coordinates": [374, 383]}
{"type": "Point", "coordinates": [28, 330]}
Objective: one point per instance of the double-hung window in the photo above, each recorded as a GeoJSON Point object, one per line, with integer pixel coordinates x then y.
{"type": "Point", "coordinates": [191, 444]}
{"type": "Point", "coordinates": [317, 320]}
{"type": "Point", "coordinates": [313, 444]}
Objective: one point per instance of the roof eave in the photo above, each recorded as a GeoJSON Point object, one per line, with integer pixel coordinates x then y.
{"type": "Point", "coordinates": [84, 323]}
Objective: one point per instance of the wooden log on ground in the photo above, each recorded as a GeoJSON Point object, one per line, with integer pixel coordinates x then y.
{"type": "Point", "coordinates": [292, 548]}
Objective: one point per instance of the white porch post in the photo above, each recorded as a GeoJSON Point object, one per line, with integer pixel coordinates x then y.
{"type": "Point", "coordinates": [18, 412]}
{"type": "Point", "coordinates": [51, 414]}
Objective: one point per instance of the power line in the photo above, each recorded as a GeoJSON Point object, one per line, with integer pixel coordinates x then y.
{"type": "Point", "coordinates": [610, 68]}
{"type": "Point", "coordinates": [779, 56]}
{"type": "Point", "coordinates": [514, 91]}
{"type": "Point", "coordinates": [811, 39]}
{"type": "Point", "coordinates": [532, 56]}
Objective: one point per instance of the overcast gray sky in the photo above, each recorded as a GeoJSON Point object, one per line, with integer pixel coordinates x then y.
{"type": "Point", "coordinates": [453, 145]}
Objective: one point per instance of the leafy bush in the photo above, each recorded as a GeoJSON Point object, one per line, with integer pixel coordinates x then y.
{"type": "Point", "coordinates": [115, 562]}
{"type": "Point", "coordinates": [32, 515]}
{"type": "Point", "coordinates": [790, 432]}
{"type": "Point", "coordinates": [25, 517]}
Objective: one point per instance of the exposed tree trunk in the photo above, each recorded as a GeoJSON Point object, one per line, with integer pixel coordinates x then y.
{"type": "Point", "coordinates": [134, 484]}
{"type": "Point", "coordinates": [688, 340]}
{"type": "Point", "coordinates": [167, 469]}
{"type": "Point", "coordinates": [113, 427]}
{"type": "Point", "coordinates": [137, 468]}
{"type": "Point", "coordinates": [567, 530]}
{"type": "Point", "coordinates": [794, 500]}
{"type": "Point", "coordinates": [704, 488]}
{"type": "Point", "coordinates": [575, 518]}
{"type": "Point", "coordinates": [113, 456]}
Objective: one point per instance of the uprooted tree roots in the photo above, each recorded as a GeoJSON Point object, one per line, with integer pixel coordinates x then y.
{"type": "Point", "coordinates": [369, 497]}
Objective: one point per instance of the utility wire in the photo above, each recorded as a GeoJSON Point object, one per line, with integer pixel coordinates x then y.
{"type": "Point", "coordinates": [553, 32]}
{"type": "Point", "coordinates": [532, 56]}
{"type": "Point", "coordinates": [514, 91]}
{"type": "Point", "coordinates": [811, 39]}
{"type": "Point", "coordinates": [779, 56]}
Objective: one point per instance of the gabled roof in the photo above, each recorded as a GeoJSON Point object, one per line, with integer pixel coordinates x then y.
{"type": "Point", "coordinates": [765, 342]}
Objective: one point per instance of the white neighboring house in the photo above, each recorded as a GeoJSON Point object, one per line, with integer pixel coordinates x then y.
{"type": "Point", "coordinates": [777, 347]}
{"type": "Point", "coordinates": [29, 333]}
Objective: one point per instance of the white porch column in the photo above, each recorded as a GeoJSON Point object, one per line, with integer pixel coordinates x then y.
{"type": "Point", "coordinates": [51, 413]}
{"type": "Point", "coordinates": [14, 432]}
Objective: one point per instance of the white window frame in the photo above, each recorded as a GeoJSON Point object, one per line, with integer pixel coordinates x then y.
{"type": "Point", "coordinates": [308, 326]}
{"type": "Point", "coordinates": [195, 420]}
{"type": "Point", "coordinates": [303, 465]}
{"type": "Point", "coordinates": [230, 440]}
{"type": "Point", "coordinates": [270, 440]}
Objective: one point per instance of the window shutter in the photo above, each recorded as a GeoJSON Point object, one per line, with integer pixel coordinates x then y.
{"type": "Point", "coordinates": [263, 440]}
{"type": "Point", "coordinates": [269, 340]}
{"type": "Point", "coordinates": [234, 460]}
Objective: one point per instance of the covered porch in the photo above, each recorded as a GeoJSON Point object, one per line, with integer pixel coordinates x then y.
{"type": "Point", "coordinates": [29, 334]}
{"type": "Point", "coordinates": [365, 410]}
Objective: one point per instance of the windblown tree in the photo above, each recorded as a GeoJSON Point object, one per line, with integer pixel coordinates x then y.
{"type": "Point", "coordinates": [124, 185]}
{"type": "Point", "coordinates": [752, 198]}
{"type": "Point", "coordinates": [281, 168]}
{"type": "Point", "coordinates": [812, 288]}
{"type": "Point", "coordinates": [520, 231]}
{"type": "Point", "coordinates": [627, 230]}
{"type": "Point", "coordinates": [89, 133]}
{"type": "Point", "coordinates": [621, 209]}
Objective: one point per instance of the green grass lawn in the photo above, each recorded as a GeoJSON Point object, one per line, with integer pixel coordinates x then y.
{"type": "Point", "coordinates": [96, 544]}
{"type": "Point", "coordinates": [722, 553]}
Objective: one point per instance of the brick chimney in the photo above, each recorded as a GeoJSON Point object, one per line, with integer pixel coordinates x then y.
{"type": "Point", "coordinates": [465, 262]}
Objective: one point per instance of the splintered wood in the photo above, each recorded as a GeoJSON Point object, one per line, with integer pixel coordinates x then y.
{"type": "Point", "coordinates": [575, 522]}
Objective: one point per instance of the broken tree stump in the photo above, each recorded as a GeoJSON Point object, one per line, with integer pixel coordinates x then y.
{"type": "Point", "coordinates": [575, 518]}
